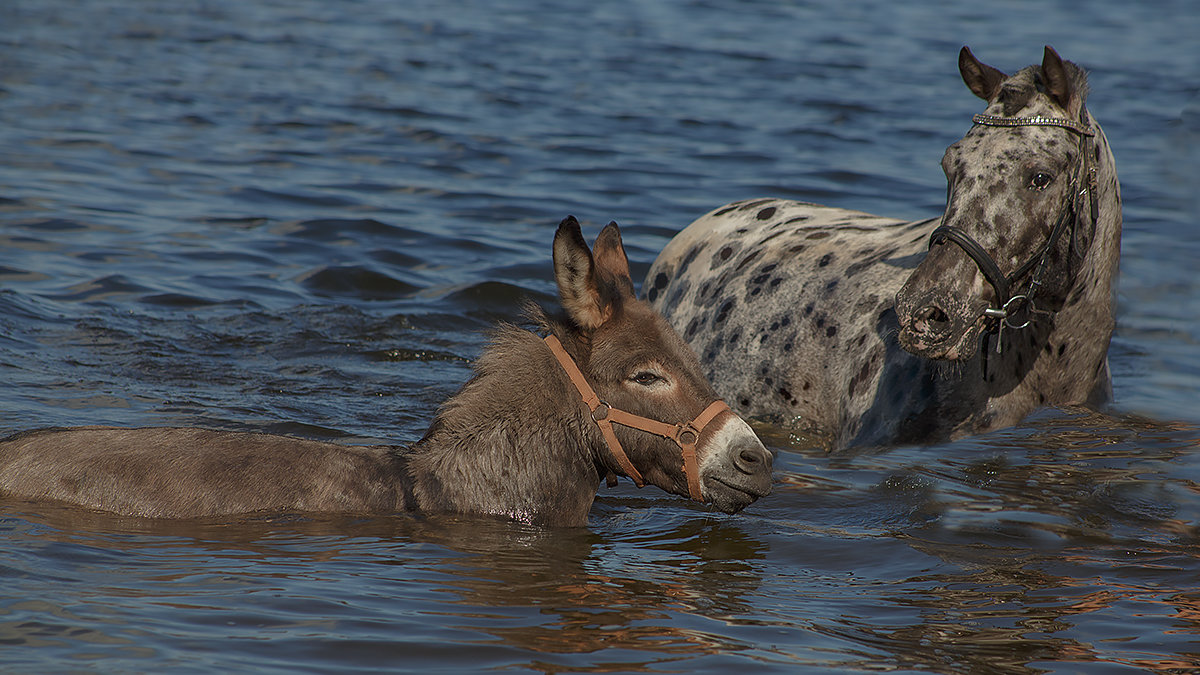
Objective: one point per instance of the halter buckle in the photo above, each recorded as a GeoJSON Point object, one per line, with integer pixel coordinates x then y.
{"type": "Point", "coordinates": [600, 412]}
{"type": "Point", "coordinates": [687, 435]}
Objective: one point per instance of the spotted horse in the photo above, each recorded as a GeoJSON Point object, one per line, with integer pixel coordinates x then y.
{"type": "Point", "coordinates": [866, 330]}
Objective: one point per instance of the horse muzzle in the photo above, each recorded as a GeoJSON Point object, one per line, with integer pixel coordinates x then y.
{"type": "Point", "coordinates": [937, 328]}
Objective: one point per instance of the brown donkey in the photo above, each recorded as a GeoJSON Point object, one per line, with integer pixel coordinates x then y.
{"type": "Point", "coordinates": [529, 437]}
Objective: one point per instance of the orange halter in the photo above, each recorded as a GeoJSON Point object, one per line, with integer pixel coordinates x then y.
{"type": "Point", "coordinates": [685, 435]}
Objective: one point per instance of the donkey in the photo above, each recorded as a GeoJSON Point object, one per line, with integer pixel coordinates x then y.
{"type": "Point", "coordinates": [865, 330]}
{"type": "Point", "coordinates": [529, 437]}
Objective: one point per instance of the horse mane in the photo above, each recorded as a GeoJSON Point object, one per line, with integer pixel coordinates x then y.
{"type": "Point", "coordinates": [1021, 89]}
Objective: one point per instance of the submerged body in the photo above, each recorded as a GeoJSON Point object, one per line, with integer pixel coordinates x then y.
{"type": "Point", "coordinates": [516, 441]}
{"type": "Point", "coordinates": [868, 330]}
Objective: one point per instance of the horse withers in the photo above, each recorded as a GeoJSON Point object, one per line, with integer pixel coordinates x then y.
{"type": "Point", "coordinates": [869, 330]}
{"type": "Point", "coordinates": [610, 390]}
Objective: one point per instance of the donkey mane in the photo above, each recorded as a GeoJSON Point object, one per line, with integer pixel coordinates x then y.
{"type": "Point", "coordinates": [476, 451]}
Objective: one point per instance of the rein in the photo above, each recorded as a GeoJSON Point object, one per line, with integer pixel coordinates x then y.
{"type": "Point", "coordinates": [686, 435]}
{"type": "Point", "coordinates": [1007, 303]}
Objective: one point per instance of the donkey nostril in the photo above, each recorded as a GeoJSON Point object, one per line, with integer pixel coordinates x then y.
{"type": "Point", "coordinates": [751, 459]}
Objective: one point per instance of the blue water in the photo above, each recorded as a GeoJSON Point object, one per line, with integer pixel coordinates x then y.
{"type": "Point", "coordinates": [298, 217]}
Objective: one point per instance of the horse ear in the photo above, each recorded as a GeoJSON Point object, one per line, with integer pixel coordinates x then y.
{"type": "Point", "coordinates": [575, 273]}
{"type": "Point", "coordinates": [983, 80]}
{"type": "Point", "coordinates": [612, 265]}
{"type": "Point", "coordinates": [1058, 84]}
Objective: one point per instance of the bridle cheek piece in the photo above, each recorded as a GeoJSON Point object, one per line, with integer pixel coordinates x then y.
{"type": "Point", "coordinates": [1008, 305]}
{"type": "Point", "coordinates": [685, 435]}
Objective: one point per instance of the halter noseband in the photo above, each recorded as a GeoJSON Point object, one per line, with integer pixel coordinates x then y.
{"type": "Point", "coordinates": [686, 436]}
{"type": "Point", "coordinates": [1002, 284]}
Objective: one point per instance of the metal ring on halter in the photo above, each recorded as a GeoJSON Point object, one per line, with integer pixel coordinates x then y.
{"type": "Point", "coordinates": [1005, 313]}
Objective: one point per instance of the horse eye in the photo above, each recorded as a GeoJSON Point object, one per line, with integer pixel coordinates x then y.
{"type": "Point", "coordinates": [1040, 180]}
{"type": "Point", "coordinates": [645, 378]}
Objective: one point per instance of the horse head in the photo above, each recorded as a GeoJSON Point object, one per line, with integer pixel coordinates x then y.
{"type": "Point", "coordinates": [661, 420]}
{"type": "Point", "coordinates": [1021, 211]}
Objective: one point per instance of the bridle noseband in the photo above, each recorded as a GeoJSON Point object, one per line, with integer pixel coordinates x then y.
{"type": "Point", "coordinates": [1008, 304]}
{"type": "Point", "coordinates": [686, 435]}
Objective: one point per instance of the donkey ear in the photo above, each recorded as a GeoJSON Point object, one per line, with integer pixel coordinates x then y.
{"type": "Point", "coordinates": [983, 80]}
{"type": "Point", "coordinates": [1058, 84]}
{"type": "Point", "coordinates": [612, 265]}
{"type": "Point", "coordinates": [574, 270]}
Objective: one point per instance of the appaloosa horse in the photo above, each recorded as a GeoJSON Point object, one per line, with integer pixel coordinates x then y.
{"type": "Point", "coordinates": [528, 438]}
{"type": "Point", "coordinates": [868, 329]}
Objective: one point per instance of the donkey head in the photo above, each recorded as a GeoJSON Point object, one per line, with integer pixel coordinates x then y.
{"type": "Point", "coordinates": [1013, 234]}
{"type": "Point", "coordinates": [638, 367]}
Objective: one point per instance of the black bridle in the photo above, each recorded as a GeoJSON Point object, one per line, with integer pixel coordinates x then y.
{"type": "Point", "coordinates": [1082, 186]}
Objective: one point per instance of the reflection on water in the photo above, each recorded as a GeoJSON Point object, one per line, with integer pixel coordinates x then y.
{"type": "Point", "coordinates": [1037, 549]}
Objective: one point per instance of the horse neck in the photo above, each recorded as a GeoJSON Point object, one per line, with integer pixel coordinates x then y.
{"type": "Point", "coordinates": [1089, 309]}
{"type": "Point", "coordinates": [512, 442]}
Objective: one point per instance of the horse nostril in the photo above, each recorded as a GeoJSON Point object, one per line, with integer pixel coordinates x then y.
{"type": "Point", "coordinates": [931, 314]}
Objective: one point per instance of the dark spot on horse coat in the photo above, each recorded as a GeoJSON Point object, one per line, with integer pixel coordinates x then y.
{"type": "Point", "coordinates": [858, 267]}
{"type": "Point", "coordinates": [680, 290]}
{"type": "Point", "coordinates": [691, 255]}
{"type": "Point", "coordinates": [753, 204]}
{"type": "Point", "coordinates": [723, 312]}
{"type": "Point", "coordinates": [723, 255]}
{"type": "Point", "coordinates": [862, 376]}
{"type": "Point", "coordinates": [817, 235]}
{"type": "Point", "coordinates": [767, 213]}
{"type": "Point", "coordinates": [825, 260]}
{"type": "Point", "coordinates": [769, 237]}
{"type": "Point", "coordinates": [747, 260]}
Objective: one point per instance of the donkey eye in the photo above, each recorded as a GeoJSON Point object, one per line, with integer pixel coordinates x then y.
{"type": "Point", "coordinates": [646, 378]}
{"type": "Point", "coordinates": [1040, 180]}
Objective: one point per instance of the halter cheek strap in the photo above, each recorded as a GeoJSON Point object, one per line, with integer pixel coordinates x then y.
{"type": "Point", "coordinates": [686, 436]}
